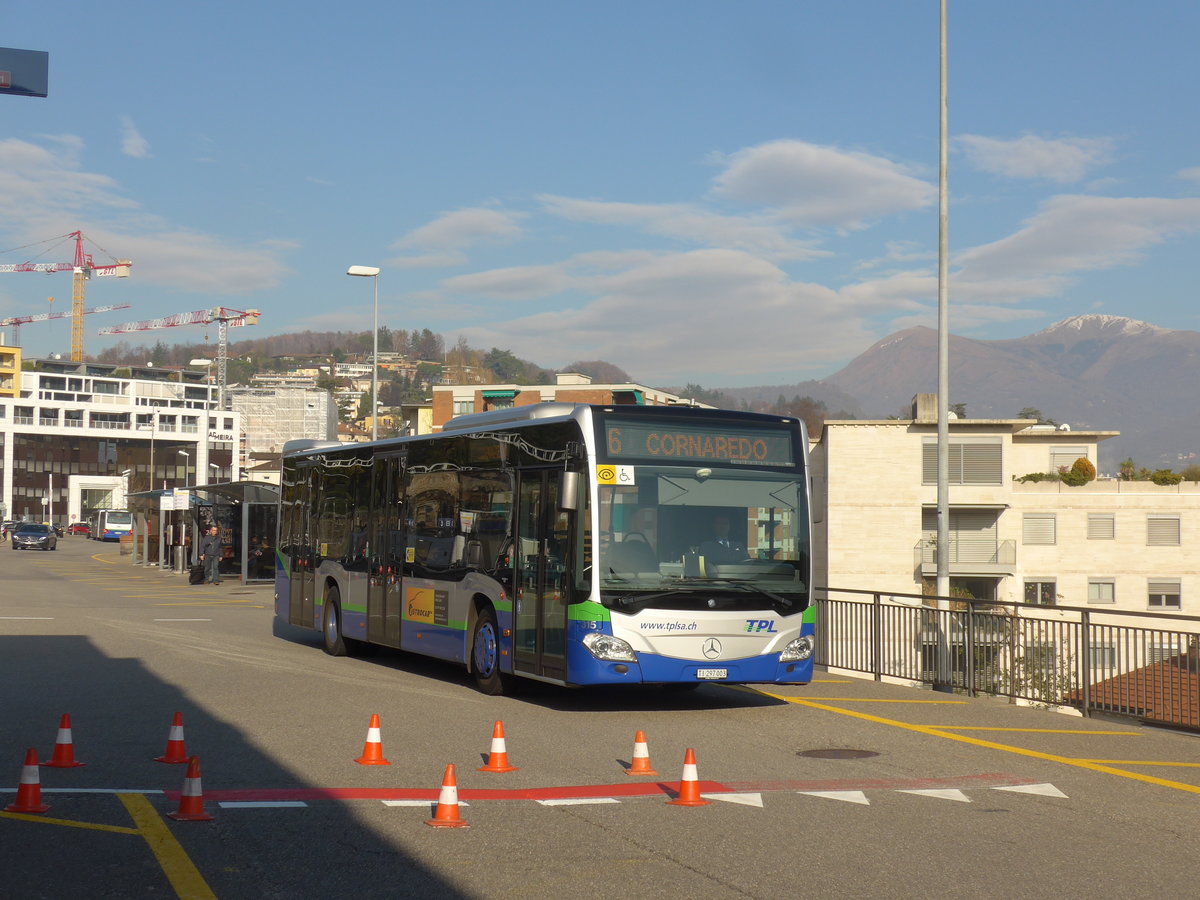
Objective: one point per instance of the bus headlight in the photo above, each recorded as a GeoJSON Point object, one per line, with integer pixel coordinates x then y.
{"type": "Point", "coordinates": [608, 648]}
{"type": "Point", "coordinates": [800, 648]}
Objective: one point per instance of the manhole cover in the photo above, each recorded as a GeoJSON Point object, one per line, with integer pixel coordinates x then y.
{"type": "Point", "coordinates": [837, 753]}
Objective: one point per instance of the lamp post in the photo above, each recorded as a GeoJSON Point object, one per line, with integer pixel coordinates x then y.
{"type": "Point", "coordinates": [372, 272]}
{"type": "Point", "coordinates": [142, 427]}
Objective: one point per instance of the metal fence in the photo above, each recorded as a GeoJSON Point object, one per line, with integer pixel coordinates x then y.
{"type": "Point", "coordinates": [1145, 665]}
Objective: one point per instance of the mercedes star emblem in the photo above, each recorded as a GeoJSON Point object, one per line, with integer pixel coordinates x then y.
{"type": "Point", "coordinates": [711, 648]}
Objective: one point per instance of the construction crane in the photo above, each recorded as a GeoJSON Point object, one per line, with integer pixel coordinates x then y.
{"type": "Point", "coordinates": [225, 318]}
{"type": "Point", "coordinates": [17, 321]}
{"type": "Point", "coordinates": [84, 268]}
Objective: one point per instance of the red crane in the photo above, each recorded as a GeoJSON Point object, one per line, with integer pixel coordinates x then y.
{"type": "Point", "coordinates": [84, 268]}
{"type": "Point", "coordinates": [224, 317]}
{"type": "Point", "coordinates": [17, 321]}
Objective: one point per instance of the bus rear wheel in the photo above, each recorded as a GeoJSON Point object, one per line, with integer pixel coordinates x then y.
{"type": "Point", "coordinates": [331, 624]}
{"type": "Point", "coordinates": [485, 653]}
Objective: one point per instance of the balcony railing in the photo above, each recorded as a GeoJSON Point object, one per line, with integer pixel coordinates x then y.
{"type": "Point", "coordinates": [1138, 664]}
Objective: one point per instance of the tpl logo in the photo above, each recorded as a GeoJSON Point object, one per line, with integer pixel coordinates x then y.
{"type": "Point", "coordinates": [757, 626]}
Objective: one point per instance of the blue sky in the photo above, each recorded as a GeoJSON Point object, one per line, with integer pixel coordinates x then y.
{"type": "Point", "coordinates": [712, 192]}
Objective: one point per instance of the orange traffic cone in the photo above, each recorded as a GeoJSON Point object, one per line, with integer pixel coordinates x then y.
{"type": "Point", "coordinates": [689, 784]}
{"type": "Point", "coordinates": [29, 792]}
{"type": "Point", "coordinates": [498, 757]}
{"type": "Point", "coordinates": [175, 752]}
{"type": "Point", "coordinates": [446, 814]}
{"type": "Point", "coordinates": [191, 798]}
{"type": "Point", "coordinates": [372, 754]}
{"type": "Point", "coordinates": [64, 749]}
{"type": "Point", "coordinates": [640, 764]}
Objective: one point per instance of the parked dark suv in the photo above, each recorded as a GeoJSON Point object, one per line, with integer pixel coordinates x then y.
{"type": "Point", "coordinates": [32, 536]}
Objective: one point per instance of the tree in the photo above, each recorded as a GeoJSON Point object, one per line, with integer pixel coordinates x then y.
{"type": "Point", "coordinates": [508, 369]}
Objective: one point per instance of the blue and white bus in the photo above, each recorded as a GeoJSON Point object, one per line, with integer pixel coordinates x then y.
{"type": "Point", "coordinates": [111, 524]}
{"type": "Point", "coordinates": [566, 543]}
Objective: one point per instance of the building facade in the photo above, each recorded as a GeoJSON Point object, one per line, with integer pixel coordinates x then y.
{"type": "Point", "coordinates": [1108, 544]}
{"type": "Point", "coordinates": [81, 436]}
{"type": "Point", "coordinates": [272, 416]}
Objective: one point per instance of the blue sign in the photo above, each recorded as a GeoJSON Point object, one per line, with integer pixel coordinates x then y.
{"type": "Point", "coordinates": [25, 73]}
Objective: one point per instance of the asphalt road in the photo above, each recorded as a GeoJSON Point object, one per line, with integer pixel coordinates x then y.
{"type": "Point", "coordinates": [842, 788]}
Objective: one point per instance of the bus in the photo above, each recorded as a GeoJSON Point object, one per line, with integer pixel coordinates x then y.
{"type": "Point", "coordinates": [111, 524]}
{"type": "Point", "coordinates": [566, 543]}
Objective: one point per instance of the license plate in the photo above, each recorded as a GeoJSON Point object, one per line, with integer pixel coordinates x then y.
{"type": "Point", "coordinates": [712, 674]}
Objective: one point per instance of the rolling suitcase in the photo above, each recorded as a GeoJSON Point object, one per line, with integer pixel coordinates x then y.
{"type": "Point", "coordinates": [196, 574]}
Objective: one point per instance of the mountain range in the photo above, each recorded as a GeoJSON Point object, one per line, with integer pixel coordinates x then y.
{"type": "Point", "coordinates": [1098, 372]}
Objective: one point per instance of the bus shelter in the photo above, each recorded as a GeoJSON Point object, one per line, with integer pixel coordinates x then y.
{"type": "Point", "coordinates": [246, 514]}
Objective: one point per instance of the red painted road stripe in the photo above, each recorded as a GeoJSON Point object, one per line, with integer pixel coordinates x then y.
{"type": "Point", "coordinates": [637, 789]}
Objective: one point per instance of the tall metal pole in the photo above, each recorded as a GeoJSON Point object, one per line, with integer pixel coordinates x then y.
{"type": "Point", "coordinates": [375, 366]}
{"type": "Point", "coordinates": [943, 422]}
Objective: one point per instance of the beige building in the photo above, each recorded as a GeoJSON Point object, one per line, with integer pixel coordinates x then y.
{"type": "Point", "coordinates": [1111, 544]}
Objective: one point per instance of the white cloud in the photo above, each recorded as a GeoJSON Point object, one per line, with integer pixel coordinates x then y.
{"type": "Point", "coordinates": [44, 191]}
{"type": "Point", "coordinates": [132, 142]}
{"type": "Point", "coordinates": [463, 228]}
{"type": "Point", "coordinates": [1063, 160]}
{"type": "Point", "coordinates": [813, 185]}
{"type": "Point", "coordinates": [428, 260]}
{"type": "Point", "coordinates": [515, 283]}
{"type": "Point", "coordinates": [719, 315]}
{"type": "Point", "coordinates": [40, 185]}
{"type": "Point", "coordinates": [759, 235]}
{"type": "Point", "coordinates": [1192, 174]}
{"type": "Point", "coordinates": [1081, 233]}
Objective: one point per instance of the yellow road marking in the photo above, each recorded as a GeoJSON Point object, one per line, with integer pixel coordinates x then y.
{"type": "Point", "coordinates": [881, 700]}
{"type": "Point", "coordinates": [1034, 730]}
{"type": "Point", "coordinates": [991, 745]}
{"type": "Point", "coordinates": [1141, 762]}
{"type": "Point", "coordinates": [98, 558]}
{"type": "Point", "coordinates": [68, 823]}
{"type": "Point", "coordinates": [175, 863]}
{"type": "Point", "coordinates": [832, 681]}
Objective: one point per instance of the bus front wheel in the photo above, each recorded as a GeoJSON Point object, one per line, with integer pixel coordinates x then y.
{"type": "Point", "coordinates": [485, 653]}
{"type": "Point", "coordinates": [331, 624]}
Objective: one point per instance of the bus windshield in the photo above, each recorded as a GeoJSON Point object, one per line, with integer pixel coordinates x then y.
{"type": "Point", "coordinates": [118, 517]}
{"type": "Point", "coordinates": [682, 537]}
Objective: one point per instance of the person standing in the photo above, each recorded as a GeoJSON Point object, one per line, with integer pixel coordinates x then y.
{"type": "Point", "coordinates": [210, 555]}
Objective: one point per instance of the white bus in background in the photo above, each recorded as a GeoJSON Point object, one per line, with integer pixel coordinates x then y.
{"type": "Point", "coordinates": [111, 524]}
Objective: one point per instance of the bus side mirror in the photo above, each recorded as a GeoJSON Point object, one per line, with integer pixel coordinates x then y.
{"type": "Point", "coordinates": [568, 490]}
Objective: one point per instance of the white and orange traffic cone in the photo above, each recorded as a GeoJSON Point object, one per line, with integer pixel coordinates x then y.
{"type": "Point", "coordinates": [689, 784]}
{"type": "Point", "coordinates": [176, 752]}
{"type": "Point", "coordinates": [640, 764]}
{"type": "Point", "coordinates": [372, 754]}
{"type": "Point", "coordinates": [498, 757]}
{"type": "Point", "coordinates": [446, 815]}
{"type": "Point", "coordinates": [191, 798]}
{"type": "Point", "coordinates": [29, 792]}
{"type": "Point", "coordinates": [64, 748]}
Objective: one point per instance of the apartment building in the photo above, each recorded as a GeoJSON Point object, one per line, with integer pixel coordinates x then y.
{"type": "Point", "coordinates": [273, 416]}
{"type": "Point", "coordinates": [1110, 544]}
{"type": "Point", "coordinates": [81, 436]}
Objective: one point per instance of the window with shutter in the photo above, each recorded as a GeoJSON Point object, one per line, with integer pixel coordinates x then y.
{"type": "Point", "coordinates": [976, 461]}
{"type": "Point", "coordinates": [1102, 590]}
{"type": "Point", "coordinates": [1101, 527]}
{"type": "Point", "coordinates": [1164, 595]}
{"type": "Point", "coordinates": [1038, 528]}
{"type": "Point", "coordinates": [1065, 456]}
{"type": "Point", "coordinates": [1162, 531]}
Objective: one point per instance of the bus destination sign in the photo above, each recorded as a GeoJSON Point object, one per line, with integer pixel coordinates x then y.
{"type": "Point", "coordinates": [669, 442]}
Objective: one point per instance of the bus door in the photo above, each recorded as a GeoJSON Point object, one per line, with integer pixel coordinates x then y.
{"type": "Point", "coordinates": [540, 577]}
{"type": "Point", "coordinates": [386, 563]}
{"type": "Point", "coordinates": [301, 602]}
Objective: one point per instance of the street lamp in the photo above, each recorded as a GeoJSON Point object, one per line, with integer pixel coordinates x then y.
{"type": "Point", "coordinates": [187, 458]}
{"type": "Point", "coordinates": [142, 426]}
{"type": "Point", "coordinates": [372, 272]}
